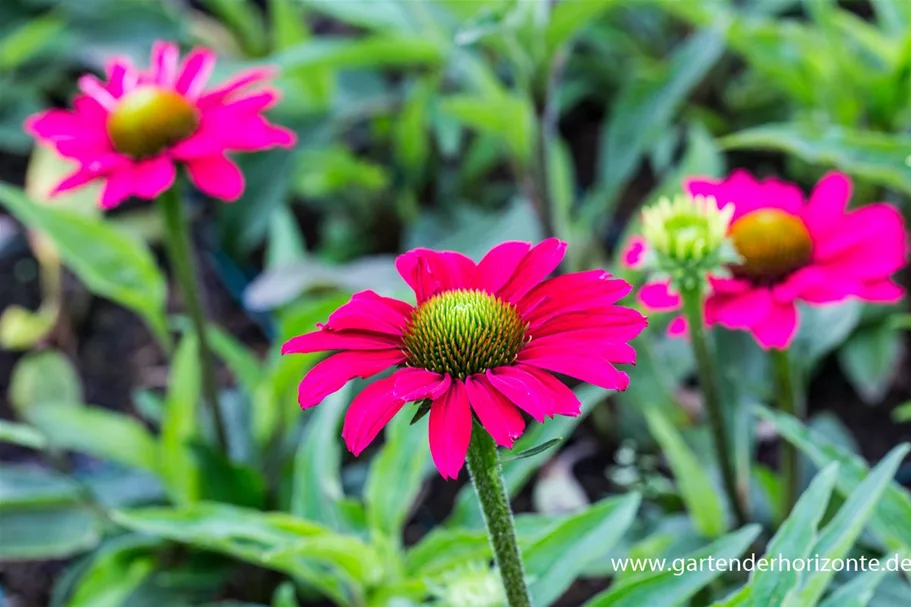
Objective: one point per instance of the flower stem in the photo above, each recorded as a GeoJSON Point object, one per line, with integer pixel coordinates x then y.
{"type": "Point", "coordinates": [708, 381]}
{"type": "Point", "coordinates": [179, 249]}
{"type": "Point", "coordinates": [487, 476]}
{"type": "Point", "coordinates": [790, 401]}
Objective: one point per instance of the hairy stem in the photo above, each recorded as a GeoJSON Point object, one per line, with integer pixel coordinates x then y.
{"type": "Point", "coordinates": [708, 382]}
{"type": "Point", "coordinates": [180, 253]}
{"type": "Point", "coordinates": [487, 476]}
{"type": "Point", "coordinates": [790, 401]}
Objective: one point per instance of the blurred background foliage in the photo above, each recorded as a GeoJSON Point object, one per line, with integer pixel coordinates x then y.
{"type": "Point", "coordinates": [454, 124]}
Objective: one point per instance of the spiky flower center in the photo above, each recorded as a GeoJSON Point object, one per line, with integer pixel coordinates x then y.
{"type": "Point", "coordinates": [772, 243]}
{"type": "Point", "coordinates": [149, 119]}
{"type": "Point", "coordinates": [463, 331]}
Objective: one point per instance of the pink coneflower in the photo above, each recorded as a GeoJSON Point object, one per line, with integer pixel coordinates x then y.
{"type": "Point", "coordinates": [793, 250]}
{"type": "Point", "coordinates": [483, 338]}
{"type": "Point", "coordinates": [131, 130]}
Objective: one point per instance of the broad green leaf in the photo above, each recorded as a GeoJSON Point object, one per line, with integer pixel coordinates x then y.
{"type": "Point", "coordinates": [242, 17]}
{"type": "Point", "coordinates": [891, 520]}
{"type": "Point", "coordinates": [110, 263]}
{"type": "Point", "coordinates": [556, 558]}
{"type": "Point", "coordinates": [226, 481]}
{"type": "Point", "coordinates": [467, 513]}
{"type": "Point", "coordinates": [21, 434]}
{"type": "Point", "coordinates": [180, 426]}
{"type": "Point", "coordinates": [285, 596]}
{"type": "Point", "coordinates": [34, 487]}
{"type": "Point", "coordinates": [870, 359]}
{"type": "Point", "coordinates": [443, 548]}
{"type": "Point", "coordinates": [857, 592]}
{"type": "Point", "coordinates": [115, 571]}
{"type": "Point", "coordinates": [29, 39]}
{"type": "Point", "coordinates": [240, 360]}
{"type": "Point", "coordinates": [488, 115]}
{"type": "Point", "coordinates": [41, 377]}
{"type": "Point", "coordinates": [412, 136]}
{"type": "Point", "coordinates": [894, 16]}
{"type": "Point", "coordinates": [794, 540]}
{"type": "Point", "coordinates": [645, 108]}
{"type": "Point", "coordinates": [317, 485]}
{"type": "Point", "coordinates": [666, 588]}
{"type": "Point", "coordinates": [839, 535]}
{"type": "Point", "coordinates": [335, 564]}
{"type": "Point", "coordinates": [385, 15]}
{"type": "Point", "coordinates": [569, 16]}
{"type": "Point", "coordinates": [396, 476]}
{"type": "Point", "coordinates": [877, 157]}
{"type": "Point", "coordinates": [359, 52]}
{"type": "Point", "coordinates": [22, 329]}
{"type": "Point", "coordinates": [97, 432]}
{"type": "Point", "coordinates": [48, 533]}
{"type": "Point", "coordinates": [701, 496]}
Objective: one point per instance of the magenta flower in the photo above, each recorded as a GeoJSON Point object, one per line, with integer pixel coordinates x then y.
{"type": "Point", "coordinates": [131, 130]}
{"type": "Point", "coordinates": [793, 250]}
{"type": "Point", "coordinates": [483, 339]}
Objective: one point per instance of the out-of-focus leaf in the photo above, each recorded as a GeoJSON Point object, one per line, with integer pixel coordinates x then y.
{"type": "Point", "coordinates": [902, 413]}
{"type": "Point", "coordinates": [21, 329]}
{"type": "Point", "coordinates": [666, 588]}
{"type": "Point", "coordinates": [877, 157]}
{"type": "Point", "coordinates": [388, 15]}
{"type": "Point", "coordinates": [242, 16]}
{"type": "Point", "coordinates": [891, 519]}
{"type": "Point", "coordinates": [97, 432]}
{"type": "Point", "coordinates": [179, 469]}
{"type": "Point", "coordinates": [894, 16]}
{"type": "Point", "coordinates": [22, 435]}
{"type": "Point", "coordinates": [376, 51]}
{"type": "Point", "coordinates": [243, 363]}
{"type": "Point", "coordinates": [111, 264]}
{"type": "Point", "coordinates": [334, 564]}
{"type": "Point", "coordinates": [32, 487]}
{"type": "Point", "coordinates": [50, 533]}
{"type": "Point", "coordinates": [396, 476]}
{"type": "Point", "coordinates": [28, 40]}
{"type": "Point", "coordinates": [857, 592]}
{"type": "Point", "coordinates": [116, 570]}
{"type": "Point", "coordinates": [317, 486]}
{"type": "Point", "coordinates": [42, 377]}
{"type": "Point", "coordinates": [645, 108]}
{"type": "Point", "coordinates": [703, 500]}
{"type": "Point", "coordinates": [226, 481]}
{"type": "Point", "coordinates": [488, 115]}
{"type": "Point", "coordinates": [442, 549]}
{"type": "Point", "coordinates": [285, 596]}
{"type": "Point", "coordinates": [286, 243]}
{"type": "Point", "coordinates": [822, 329]}
{"type": "Point", "coordinates": [412, 138]}
{"type": "Point", "coordinates": [569, 16]}
{"type": "Point", "coordinates": [557, 557]}
{"type": "Point", "coordinates": [839, 535]}
{"type": "Point", "coordinates": [533, 450]}
{"type": "Point", "coordinates": [870, 359]}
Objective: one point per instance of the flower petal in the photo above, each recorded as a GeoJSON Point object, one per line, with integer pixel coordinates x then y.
{"type": "Point", "coordinates": [153, 176]}
{"type": "Point", "coordinates": [165, 56]}
{"type": "Point", "coordinates": [881, 291]}
{"type": "Point", "coordinates": [194, 73]}
{"type": "Point", "coordinates": [326, 340]}
{"type": "Point", "coordinates": [582, 365]}
{"type": "Point", "coordinates": [778, 328]}
{"type": "Point", "coordinates": [500, 263]}
{"type": "Point", "coordinates": [499, 417]}
{"type": "Point", "coordinates": [827, 204]}
{"type": "Point", "coordinates": [368, 413]}
{"type": "Point", "coordinates": [217, 95]}
{"type": "Point", "coordinates": [614, 323]}
{"type": "Point", "coordinates": [217, 176]}
{"type": "Point", "coordinates": [523, 390]}
{"type": "Point", "coordinates": [117, 188]}
{"type": "Point", "coordinates": [337, 370]}
{"type": "Point", "coordinates": [580, 291]}
{"type": "Point", "coordinates": [558, 345]}
{"type": "Point", "coordinates": [429, 272]}
{"type": "Point", "coordinates": [871, 243]}
{"type": "Point", "coordinates": [367, 311]}
{"type": "Point", "coordinates": [450, 430]}
{"type": "Point", "coordinates": [659, 297]}
{"type": "Point", "coordinates": [633, 254]}
{"type": "Point", "coordinates": [678, 327]}
{"type": "Point", "coordinates": [417, 384]}
{"type": "Point", "coordinates": [565, 400]}
{"type": "Point", "coordinates": [741, 310]}
{"type": "Point", "coordinates": [540, 261]}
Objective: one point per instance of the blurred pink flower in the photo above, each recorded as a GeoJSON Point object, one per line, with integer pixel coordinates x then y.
{"type": "Point", "coordinates": [131, 130]}
{"type": "Point", "coordinates": [794, 250]}
{"type": "Point", "coordinates": [483, 339]}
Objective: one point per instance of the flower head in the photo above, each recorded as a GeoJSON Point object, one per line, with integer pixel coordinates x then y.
{"type": "Point", "coordinates": [482, 341]}
{"type": "Point", "coordinates": [132, 130]}
{"type": "Point", "coordinates": [474, 584]}
{"type": "Point", "coordinates": [794, 250]}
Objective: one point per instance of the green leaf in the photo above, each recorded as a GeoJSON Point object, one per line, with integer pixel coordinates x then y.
{"type": "Point", "coordinates": [242, 17]}
{"type": "Point", "coordinates": [26, 41]}
{"type": "Point", "coordinates": [240, 360]}
{"type": "Point", "coordinates": [22, 329]}
{"type": "Point", "coordinates": [34, 487]}
{"type": "Point", "coordinates": [702, 498]}
{"type": "Point", "coordinates": [22, 435]}
{"type": "Point", "coordinates": [317, 485]}
{"type": "Point", "coordinates": [388, 15]}
{"type": "Point", "coordinates": [50, 533]}
{"type": "Point", "coordinates": [891, 520]}
{"type": "Point", "coordinates": [467, 512]}
{"type": "Point", "coordinates": [569, 16]}
{"type": "Point", "coordinates": [647, 105]}
{"type": "Point", "coordinates": [857, 592]}
{"type": "Point", "coordinates": [97, 432]}
{"type": "Point", "coordinates": [877, 157]}
{"type": "Point", "coordinates": [180, 426]}
{"type": "Point", "coordinates": [375, 51]}
{"type": "Point", "coordinates": [226, 481]}
{"type": "Point", "coordinates": [109, 263]}
{"type": "Point", "coordinates": [396, 476]}
{"type": "Point", "coordinates": [794, 540]}
{"type": "Point", "coordinates": [42, 377]}
{"type": "Point", "coordinates": [557, 557]}
{"type": "Point", "coordinates": [533, 450]}
{"type": "Point", "coordinates": [902, 413]}
{"type": "Point", "coordinates": [486, 115]}
{"type": "Point", "coordinates": [116, 570]}
{"type": "Point", "coordinates": [285, 596]}
{"type": "Point", "coordinates": [336, 565]}
{"type": "Point", "coordinates": [843, 530]}
{"type": "Point", "coordinates": [870, 359]}
{"type": "Point", "coordinates": [442, 549]}
{"type": "Point", "coordinates": [666, 588]}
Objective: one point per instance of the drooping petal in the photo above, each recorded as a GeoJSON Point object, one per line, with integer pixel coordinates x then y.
{"type": "Point", "coordinates": [500, 263]}
{"type": "Point", "coordinates": [827, 204]}
{"type": "Point", "coordinates": [165, 56]}
{"type": "Point", "coordinates": [217, 176]}
{"type": "Point", "coordinates": [498, 415]}
{"type": "Point", "coordinates": [748, 194]}
{"type": "Point", "coordinates": [557, 345]}
{"type": "Point", "coordinates": [326, 340]}
{"type": "Point", "coordinates": [564, 400]}
{"type": "Point", "coordinates": [678, 327]}
{"type": "Point", "coordinates": [117, 188]}
{"type": "Point", "coordinates": [194, 73]}
{"type": "Point", "coordinates": [523, 390]}
{"type": "Point", "coordinates": [871, 243]}
{"type": "Point", "coordinates": [429, 272]}
{"type": "Point", "coordinates": [741, 310]}
{"type": "Point", "coordinates": [217, 95]}
{"type": "Point", "coordinates": [122, 76]}
{"type": "Point", "coordinates": [659, 297]}
{"type": "Point", "coordinates": [813, 284]}
{"type": "Point", "coordinates": [537, 264]}
{"type": "Point", "coordinates": [337, 370]}
{"type": "Point", "coordinates": [581, 291]}
{"type": "Point", "coordinates": [368, 413]}
{"type": "Point", "coordinates": [153, 176]}
{"type": "Point", "coordinates": [583, 366]}
{"type": "Point", "coordinates": [367, 311]}
{"type": "Point", "coordinates": [614, 323]}
{"type": "Point", "coordinates": [417, 384]}
{"type": "Point", "coordinates": [93, 88]}
{"type": "Point", "coordinates": [450, 430]}
{"type": "Point", "coordinates": [881, 291]}
{"type": "Point", "coordinates": [778, 328]}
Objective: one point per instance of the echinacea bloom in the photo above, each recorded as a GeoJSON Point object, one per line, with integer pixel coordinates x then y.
{"type": "Point", "coordinates": [483, 339]}
{"type": "Point", "coordinates": [794, 250]}
{"type": "Point", "coordinates": [132, 130]}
